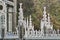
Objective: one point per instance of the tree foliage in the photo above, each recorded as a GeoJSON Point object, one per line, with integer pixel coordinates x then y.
{"type": "Point", "coordinates": [35, 8]}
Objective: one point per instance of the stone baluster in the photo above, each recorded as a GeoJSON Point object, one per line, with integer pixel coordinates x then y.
{"type": "Point", "coordinates": [54, 32]}
{"type": "Point", "coordinates": [36, 33]}
{"type": "Point", "coordinates": [39, 33]}
{"type": "Point", "coordinates": [33, 33]}
{"type": "Point", "coordinates": [17, 30]}
{"type": "Point", "coordinates": [58, 32]}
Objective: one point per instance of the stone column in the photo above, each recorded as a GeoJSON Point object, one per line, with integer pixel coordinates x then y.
{"type": "Point", "coordinates": [58, 31]}
{"type": "Point", "coordinates": [10, 19]}
{"type": "Point", "coordinates": [15, 10]}
{"type": "Point", "coordinates": [36, 33]}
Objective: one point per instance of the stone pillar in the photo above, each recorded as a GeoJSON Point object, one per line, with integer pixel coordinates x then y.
{"type": "Point", "coordinates": [10, 20]}
{"type": "Point", "coordinates": [15, 12]}
{"type": "Point", "coordinates": [20, 22]}
{"type": "Point", "coordinates": [36, 33]}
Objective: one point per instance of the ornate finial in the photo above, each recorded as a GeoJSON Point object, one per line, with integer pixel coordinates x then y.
{"type": "Point", "coordinates": [20, 5]}
{"type": "Point", "coordinates": [44, 15]}
{"type": "Point", "coordinates": [44, 8]}
{"type": "Point", "coordinates": [20, 9]}
{"type": "Point", "coordinates": [48, 14]}
{"type": "Point", "coordinates": [48, 17]}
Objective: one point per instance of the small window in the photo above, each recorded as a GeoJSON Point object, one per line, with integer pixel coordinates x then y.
{"type": "Point", "coordinates": [1, 7]}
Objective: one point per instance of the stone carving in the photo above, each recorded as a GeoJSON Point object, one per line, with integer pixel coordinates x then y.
{"type": "Point", "coordinates": [46, 31]}
{"type": "Point", "coordinates": [3, 11]}
{"type": "Point", "coordinates": [3, 7]}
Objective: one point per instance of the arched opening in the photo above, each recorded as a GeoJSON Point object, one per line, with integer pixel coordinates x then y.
{"type": "Point", "coordinates": [1, 7]}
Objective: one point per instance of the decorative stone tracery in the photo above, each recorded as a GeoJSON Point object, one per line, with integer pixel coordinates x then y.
{"type": "Point", "coordinates": [3, 15]}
